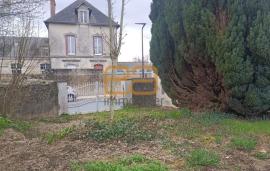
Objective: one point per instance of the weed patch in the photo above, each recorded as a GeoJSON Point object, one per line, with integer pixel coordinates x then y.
{"type": "Point", "coordinates": [64, 118]}
{"type": "Point", "coordinates": [245, 144]}
{"type": "Point", "coordinates": [262, 155]}
{"type": "Point", "coordinates": [133, 163]}
{"type": "Point", "coordinates": [238, 127]}
{"type": "Point", "coordinates": [20, 126]}
{"type": "Point", "coordinates": [202, 157]}
{"type": "Point", "coordinates": [53, 137]}
{"type": "Point", "coordinates": [125, 129]}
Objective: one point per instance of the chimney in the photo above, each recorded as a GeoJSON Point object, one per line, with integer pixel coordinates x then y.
{"type": "Point", "coordinates": [53, 5]}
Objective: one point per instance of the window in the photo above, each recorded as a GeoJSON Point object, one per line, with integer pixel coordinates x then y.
{"type": "Point", "coordinates": [45, 67]}
{"type": "Point", "coordinates": [83, 17]}
{"type": "Point", "coordinates": [71, 45]}
{"type": "Point", "coordinates": [16, 68]}
{"type": "Point", "coordinates": [98, 45]}
{"type": "Point", "coordinates": [44, 52]}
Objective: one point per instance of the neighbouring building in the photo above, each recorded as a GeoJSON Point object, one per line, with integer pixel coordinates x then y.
{"type": "Point", "coordinates": [77, 41]}
{"type": "Point", "coordinates": [24, 55]}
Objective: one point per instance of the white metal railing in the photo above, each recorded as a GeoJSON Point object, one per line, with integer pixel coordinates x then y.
{"type": "Point", "coordinates": [94, 88]}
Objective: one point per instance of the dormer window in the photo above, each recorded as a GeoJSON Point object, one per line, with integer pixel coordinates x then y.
{"type": "Point", "coordinates": [83, 16]}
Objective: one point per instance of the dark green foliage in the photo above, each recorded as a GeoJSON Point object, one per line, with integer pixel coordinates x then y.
{"type": "Point", "coordinates": [214, 54]}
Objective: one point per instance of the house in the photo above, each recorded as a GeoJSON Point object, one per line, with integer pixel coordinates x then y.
{"type": "Point", "coordinates": [77, 40]}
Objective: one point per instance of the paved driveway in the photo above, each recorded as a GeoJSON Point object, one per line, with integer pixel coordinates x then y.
{"type": "Point", "coordinates": [86, 106]}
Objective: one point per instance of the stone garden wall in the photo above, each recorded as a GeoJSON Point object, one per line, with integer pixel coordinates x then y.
{"type": "Point", "coordinates": [37, 99]}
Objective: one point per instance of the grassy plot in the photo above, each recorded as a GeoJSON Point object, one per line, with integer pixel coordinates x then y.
{"type": "Point", "coordinates": [21, 126]}
{"type": "Point", "coordinates": [262, 155]}
{"type": "Point", "coordinates": [245, 144]}
{"type": "Point", "coordinates": [64, 118]}
{"type": "Point", "coordinates": [124, 129]}
{"type": "Point", "coordinates": [53, 137]}
{"type": "Point", "coordinates": [202, 157]}
{"type": "Point", "coordinates": [132, 163]}
{"type": "Point", "coordinates": [239, 127]}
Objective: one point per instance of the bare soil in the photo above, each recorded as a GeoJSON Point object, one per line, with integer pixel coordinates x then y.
{"type": "Point", "coordinates": [21, 153]}
{"type": "Point", "coordinates": [29, 151]}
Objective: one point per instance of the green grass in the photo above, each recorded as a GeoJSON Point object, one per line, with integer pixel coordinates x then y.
{"type": "Point", "coordinates": [262, 155]}
{"type": "Point", "coordinates": [21, 126]}
{"type": "Point", "coordinates": [53, 137]}
{"type": "Point", "coordinates": [238, 127]}
{"type": "Point", "coordinates": [132, 163]}
{"type": "Point", "coordinates": [202, 157]}
{"type": "Point", "coordinates": [245, 144]}
{"type": "Point", "coordinates": [125, 129]}
{"type": "Point", "coordinates": [64, 118]}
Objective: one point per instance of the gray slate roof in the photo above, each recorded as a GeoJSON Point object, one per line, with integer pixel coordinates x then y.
{"type": "Point", "coordinates": [69, 16]}
{"type": "Point", "coordinates": [9, 46]}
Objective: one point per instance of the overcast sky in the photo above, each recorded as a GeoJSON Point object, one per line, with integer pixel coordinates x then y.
{"type": "Point", "coordinates": [136, 11]}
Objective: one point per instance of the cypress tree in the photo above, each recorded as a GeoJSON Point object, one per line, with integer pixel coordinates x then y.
{"type": "Point", "coordinates": [213, 54]}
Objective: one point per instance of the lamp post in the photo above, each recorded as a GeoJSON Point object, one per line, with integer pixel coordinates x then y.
{"type": "Point", "coordinates": [143, 25]}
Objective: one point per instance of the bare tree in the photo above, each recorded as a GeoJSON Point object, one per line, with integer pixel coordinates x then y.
{"type": "Point", "coordinates": [11, 8]}
{"type": "Point", "coordinates": [17, 26]}
{"type": "Point", "coordinates": [114, 45]}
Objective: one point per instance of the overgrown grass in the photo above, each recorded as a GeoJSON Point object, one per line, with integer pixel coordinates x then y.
{"type": "Point", "coordinates": [262, 155]}
{"type": "Point", "coordinates": [245, 144]}
{"type": "Point", "coordinates": [125, 129]}
{"type": "Point", "coordinates": [53, 137]}
{"type": "Point", "coordinates": [202, 157]}
{"type": "Point", "coordinates": [132, 163]}
{"type": "Point", "coordinates": [21, 126]}
{"type": "Point", "coordinates": [64, 118]}
{"type": "Point", "coordinates": [239, 127]}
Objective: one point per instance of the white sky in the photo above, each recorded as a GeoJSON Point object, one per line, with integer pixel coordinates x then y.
{"type": "Point", "coordinates": [136, 11]}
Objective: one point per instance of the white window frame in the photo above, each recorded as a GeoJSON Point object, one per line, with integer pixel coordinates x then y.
{"type": "Point", "coordinates": [44, 52]}
{"type": "Point", "coordinates": [45, 66]}
{"type": "Point", "coordinates": [71, 44]}
{"type": "Point", "coordinates": [98, 45]}
{"type": "Point", "coordinates": [16, 68]}
{"type": "Point", "coordinates": [83, 16]}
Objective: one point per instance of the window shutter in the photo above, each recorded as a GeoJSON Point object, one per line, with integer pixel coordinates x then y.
{"type": "Point", "coordinates": [66, 39]}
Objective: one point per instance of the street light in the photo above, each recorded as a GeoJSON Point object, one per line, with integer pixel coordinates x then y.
{"type": "Point", "coordinates": [143, 25]}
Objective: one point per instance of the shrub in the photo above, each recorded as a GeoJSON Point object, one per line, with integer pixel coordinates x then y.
{"type": "Point", "coordinates": [209, 56]}
{"type": "Point", "coordinates": [202, 157]}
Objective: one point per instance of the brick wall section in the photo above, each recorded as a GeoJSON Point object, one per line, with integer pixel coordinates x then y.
{"type": "Point", "coordinates": [35, 100]}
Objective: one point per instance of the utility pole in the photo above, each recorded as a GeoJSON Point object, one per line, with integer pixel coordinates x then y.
{"type": "Point", "coordinates": [143, 25]}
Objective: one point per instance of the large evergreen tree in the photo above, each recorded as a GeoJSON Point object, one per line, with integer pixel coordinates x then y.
{"type": "Point", "coordinates": [213, 54]}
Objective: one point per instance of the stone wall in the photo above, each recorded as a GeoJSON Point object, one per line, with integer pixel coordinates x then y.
{"type": "Point", "coordinates": [33, 100]}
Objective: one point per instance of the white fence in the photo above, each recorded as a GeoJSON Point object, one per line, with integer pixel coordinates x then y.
{"type": "Point", "coordinates": [97, 88]}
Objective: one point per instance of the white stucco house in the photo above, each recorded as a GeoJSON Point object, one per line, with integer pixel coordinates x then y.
{"type": "Point", "coordinates": [77, 40]}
